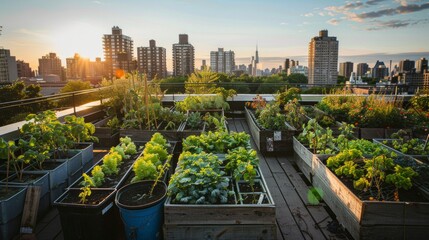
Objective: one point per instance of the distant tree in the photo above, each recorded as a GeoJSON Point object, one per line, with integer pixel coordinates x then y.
{"type": "Point", "coordinates": [271, 84]}
{"type": "Point", "coordinates": [76, 85]}
{"type": "Point", "coordinates": [173, 84]}
{"type": "Point", "coordinates": [201, 81]}
{"type": "Point", "coordinates": [369, 80]}
{"type": "Point", "coordinates": [297, 78]}
{"type": "Point", "coordinates": [341, 79]}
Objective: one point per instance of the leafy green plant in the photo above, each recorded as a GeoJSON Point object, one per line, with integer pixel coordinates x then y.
{"type": "Point", "coordinates": [320, 140]}
{"type": "Point", "coordinates": [194, 120]}
{"type": "Point", "coordinates": [128, 145]}
{"type": "Point", "coordinates": [98, 176]}
{"type": "Point", "coordinates": [282, 98]}
{"type": "Point", "coordinates": [216, 142]}
{"type": "Point", "coordinates": [242, 164]}
{"type": "Point", "coordinates": [199, 180]}
{"type": "Point", "coordinates": [295, 114]}
{"type": "Point", "coordinates": [193, 103]}
{"type": "Point", "coordinates": [111, 162]}
{"type": "Point", "coordinates": [145, 167]}
{"type": "Point", "coordinates": [84, 194]}
{"type": "Point", "coordinates": [80, 131]}
{"type": "Point", "coordinates": [114, 123]}
{"type": "Point", "coordinates": [271, 118]}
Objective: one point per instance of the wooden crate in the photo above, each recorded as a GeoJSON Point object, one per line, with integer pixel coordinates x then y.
{"type": "Point", "coordinates": [370, 219]}
{"type": "Point", "coordinates": [269, 141]}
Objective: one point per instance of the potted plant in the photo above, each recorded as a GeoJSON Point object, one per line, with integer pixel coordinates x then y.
{"type": "Point", "coordinates": [141, 202]}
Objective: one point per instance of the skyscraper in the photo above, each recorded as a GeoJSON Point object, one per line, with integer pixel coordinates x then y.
{"type": "Point", "coordinates": [8, 67]}
{"type": "Point", "coordinates": [406, 66]}
{"type": "Point", "coordinates": [50, 64]}
{"type": "Point", "coordinates": [323, 59]}
{"type": "Point", "coordinates": [183, 57]}
{"type": "Point", "coordinates": [379, 70]}
{"type": "Point", "coordinates": [421, 65]}
{"type": "Point", "coordinates": [24, 69]}
{"type": "Point", "coordinates": [152, 61]}
{"type": "Point", "coordinates": [346, 69]}
{"type": "Point", "coordinates": [362, 68]}
{"type": "Point", "coordinates": [118, 52]}
{"type": "Point", "coordinates": [287, 65]}
{"type": "Point", "coordinates": [222, 61]}
{"type": "Point", "coordinates": [203, 64]}
{"type": "Point", "coordinates": [77, 67]}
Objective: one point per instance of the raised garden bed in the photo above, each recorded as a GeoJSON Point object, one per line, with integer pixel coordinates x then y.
{"type": "Point", "coordinates": [366, 219]}
{"type": "Point", "coordinates": [11, 206]}
{"type": "Point", "coordinates": [107, 136]}
{"type": "Point", "coordinates": [145, 135]}
{"type": "Point", "coordinates": [267, 140]}
{"type": "Point", "coordinates": [388, 145]}
{"type": "Point", "coordinates": [251, 215]}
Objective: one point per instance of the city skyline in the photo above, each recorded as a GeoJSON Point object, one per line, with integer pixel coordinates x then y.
{"type": "Point", "coordinates": [283, 31]}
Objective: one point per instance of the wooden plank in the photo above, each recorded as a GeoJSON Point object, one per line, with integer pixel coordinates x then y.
{"type": "Point", "coordinates": [288, 227]}
{"type": "Point", "coordinates": [219, 214]}
{"type": "Point", "coordinates": [52, 230]}
{"type": "Point", "coordinates": [274, 165]}
{"type": "Point", "coordinates": [417, 214]}
{"type": "Point", "coordinates": [300, 213]}
{"type": "Point", "coordinates": [384, 213]}
{"type": "Point", "coordinates": [220, 232]}
{"type": "Point", "coordinates": [31, 206]}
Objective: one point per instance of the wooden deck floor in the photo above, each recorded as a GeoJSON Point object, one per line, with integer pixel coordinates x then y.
{"type": "Point", "coordinates": [298, 217]}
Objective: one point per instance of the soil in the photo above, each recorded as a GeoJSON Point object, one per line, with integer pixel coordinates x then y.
{"type": "Point", "coordinates": [9, 193]}
{"type": "Point", "coordinates": [188, 128]}
{"type": "Point", "coordinates": [253, 199]}
{"type": "Point", "coordinates": [26, 178]}
{"type": "Point", "coordinates": [245, 187]}
{"type": "Point", "coordinates": [95, 198]}
{"type": "Point", "coordinates": [80, 146]}
{"type": "Point", "coordinates": [137, 196]}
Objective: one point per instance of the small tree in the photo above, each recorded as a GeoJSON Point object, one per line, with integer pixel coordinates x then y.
{"type": "Point", "coordinates": [201, 81]}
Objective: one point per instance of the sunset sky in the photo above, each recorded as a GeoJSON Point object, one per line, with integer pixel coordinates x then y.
{"type": "Point", "coordinates": [32, 28]}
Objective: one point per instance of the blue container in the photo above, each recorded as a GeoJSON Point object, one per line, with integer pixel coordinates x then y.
{"type": "Point", "coordinates": [142, 221]}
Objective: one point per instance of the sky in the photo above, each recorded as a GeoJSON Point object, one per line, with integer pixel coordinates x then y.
{"type": "Point", "coordinates": [282, 29]}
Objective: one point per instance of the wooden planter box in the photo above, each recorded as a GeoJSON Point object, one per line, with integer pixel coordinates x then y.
{"type": "Point", "coordinates": [146, 135]}
{"type": "Point", "coordinates": [269, 141]}
{"type": "Point", "coordinates": [370, 219]}
{"type": "Point", "coordinates": [424, 158]}
{"type": "Point", "coordinates": [221, 221]}
{"type": "Point", "coordinates": [107, 137]}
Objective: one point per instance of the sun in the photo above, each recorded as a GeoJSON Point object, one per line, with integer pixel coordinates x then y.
{"type": "Point", "coordinates": [78, 37]}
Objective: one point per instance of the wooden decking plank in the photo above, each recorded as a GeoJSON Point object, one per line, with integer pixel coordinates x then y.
{"type": "Point", "coordinates": [318, 212]}
{"type": "Point", "coordinates": [52, 229]}
{"type": "Point", "coordinates": [288, 227]}
{"type": "Point", "coordinates": [274, 165]}
{"type": "Point", "coordinates": [298, 209]}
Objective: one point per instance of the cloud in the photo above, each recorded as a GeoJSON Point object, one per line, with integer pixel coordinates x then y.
{"type": "Point", "coordinates": [31, 33]}
{"type": "Point", "coordinates": [97, 2]}
{"type": "Point", "coordinates": [392, 11]}
{"type": "Point", "coordinates": [374, 2]}
{"type": "Point", "coordinates": [308, 15]}
{"type": "Point", "coordinates": [284, 23]}
{"type": "Point", "coordinates": [381, 25]}
{"type": "Point", "coordinates": [333, 21]}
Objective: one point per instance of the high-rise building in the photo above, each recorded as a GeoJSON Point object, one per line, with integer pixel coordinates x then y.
{"type": "Point", "coordinates": [242, 67]}
{"type": "Point", "coordinates": [8, 67]}
{"type": "Point", "coordinates": [323, 59]}
{"type": "Point", "coordinates": [426, 80]}
{"type": "Point", "coordinates": [298, 69]}
{"type": "Point", "coordinates": [421, 65]}
{"type": "Point", "coordinates": [287, 65]}
{"type": "Point", "coordinates": [118, 52]}
{"type": "Point", "coordinates": [379, 71]}
{"type": "Point", "coordinates": [50, 67]}
{"type": "Point", "coordinates": [24, 69]}
{"type": "Point", "coordinates": [362, 68]}
{"type": "Point", "coordinates": [292, 63]}
{"type": "Point", "coordinates": [222, 61]}
{"type": "Point", "coordinates": [96, 70]}
{"type": "Point", "coordinates": [406, 66]}
{"type": "Point", "coordinates": [203, 64]}
{"type": "Point", "coordinates": [77, 67]}
{"type": "Point", "coordinates": [183, 57]}
{"type": "Point", "coordinates": [152, 61]}
{"type": "Point", "coordinates": [346, 69]}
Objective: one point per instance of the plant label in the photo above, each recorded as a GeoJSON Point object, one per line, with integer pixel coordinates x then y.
{"type": "Point", "coordinates": [277, 135]}
{"type": "Point", "coordinates": [270, 145]}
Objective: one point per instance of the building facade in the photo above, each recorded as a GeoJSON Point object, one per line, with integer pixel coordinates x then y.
{"type": "Point", "coordinates": [222, 61]}
{"type": "Point", "coordinates": [298, 69]}
{"type": "Point", "coordinates": [346, 69]}
{"type": "Point", "coordinates": [406, 65]}
{"type": "Point", "coordinates": [8, 66]}
{"type": "Point", "coordinates": [421, 65]}
{"type": "Point", "coordinates": [77, 67]}
{"type": "Point", "coordinates": [362, 69]}
{"type": "Point", "coordinates": [118, 53]}
{"type": "Point", "coordinates": [24, 69]}
{"type": "Point", "coordinates": [50, 67]}
{"type": "Point", "coordinates": [379, 71]}
{"type": "Point", "coordinates": [323, 59]}
{"type": "Point", "coordinates": [152, 61]}
{"type": "Point", "coordinates": [183, 57]}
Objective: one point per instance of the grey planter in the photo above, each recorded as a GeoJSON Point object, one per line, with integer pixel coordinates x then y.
{"type": "Point", "coordinates": [424, 158]}
{"type": "Point", "coordinates": [10, 212]}
{"type": "Point", "coordinates": [87, 151]}
{"type": "Point", "coordinates": [41, 180]}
